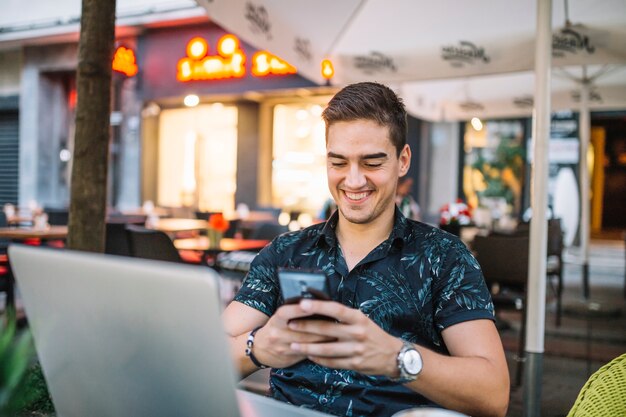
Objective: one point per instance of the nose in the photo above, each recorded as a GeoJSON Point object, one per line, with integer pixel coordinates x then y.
{"type": "Point", "coordinates": [355, 178]}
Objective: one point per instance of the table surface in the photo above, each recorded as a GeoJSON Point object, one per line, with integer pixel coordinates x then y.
{"type": "Point", "coordinates": [52, 232]}
{"type": "Point", "coordinates": [201, 243]}
{"type": "Point", "coordinates": [254, 405]}
{"type": "Point", "coordinates": [179, 225]}
{"type": "Point", "coordinates": [19, 219]}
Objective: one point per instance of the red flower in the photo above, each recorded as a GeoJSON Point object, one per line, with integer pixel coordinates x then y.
{"type": "Point", "coordinates": [218, 222]}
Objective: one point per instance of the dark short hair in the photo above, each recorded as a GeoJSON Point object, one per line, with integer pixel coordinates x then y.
{"type": "Point", "coordinates": [369, 101]}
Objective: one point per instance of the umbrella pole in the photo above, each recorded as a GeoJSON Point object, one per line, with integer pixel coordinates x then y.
{"type": "Point", "coordinates": [585, 129]}
{"type": "Point", "coordinates": [536, 292]}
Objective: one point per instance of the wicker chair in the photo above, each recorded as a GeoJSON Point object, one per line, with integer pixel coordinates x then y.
{"type": "Point", "coordinates": [604, 393]}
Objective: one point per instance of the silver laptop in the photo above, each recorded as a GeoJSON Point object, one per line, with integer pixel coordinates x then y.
{"type": "Point", "coordinates": [120, 336]}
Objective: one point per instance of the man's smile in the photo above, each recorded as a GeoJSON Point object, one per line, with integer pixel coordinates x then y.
{"type": "Point", "coordinates": [356, 197]}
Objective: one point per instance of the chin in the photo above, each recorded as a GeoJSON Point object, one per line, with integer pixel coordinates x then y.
{"type": "Point", "coordinates": [356, 217]}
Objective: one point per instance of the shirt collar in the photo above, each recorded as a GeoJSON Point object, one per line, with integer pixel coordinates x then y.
{"type": "Point", "coordinates": [399, 233]}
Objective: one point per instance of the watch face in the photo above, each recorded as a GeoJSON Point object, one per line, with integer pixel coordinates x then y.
{"type": "Point", "coordinates": [412, 362]}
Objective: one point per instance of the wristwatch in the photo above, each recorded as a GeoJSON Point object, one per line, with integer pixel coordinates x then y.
{"type": "Point", "coordinates": [409, 362]}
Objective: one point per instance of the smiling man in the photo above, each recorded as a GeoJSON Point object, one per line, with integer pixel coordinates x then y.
{"type": "Point", "coordinates": [413, 319]}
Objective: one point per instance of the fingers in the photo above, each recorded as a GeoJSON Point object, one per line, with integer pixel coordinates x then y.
{"type": "Point", "coordinates": [328, 350]}
{"type": "Point", "coordinates": [340, 355]}
{"type": "Point", "coordinates": [287, 312]}
{"type": "Point", "coordinates": [331, 309]}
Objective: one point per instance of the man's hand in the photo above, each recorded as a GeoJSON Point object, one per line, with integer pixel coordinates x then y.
{"type": "Point", "coordinates": [356, 342]}
{"type": "Point", "coordinates": [272, 343]}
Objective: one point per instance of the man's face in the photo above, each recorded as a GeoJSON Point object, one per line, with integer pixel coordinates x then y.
{"type": "Point", "coordinates": [363, 169]}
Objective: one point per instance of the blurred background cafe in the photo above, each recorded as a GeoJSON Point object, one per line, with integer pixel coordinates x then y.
{"type": "Point", "coordinates": [204, 121]}
{"type": "Point", "coordinates": [217, 144]}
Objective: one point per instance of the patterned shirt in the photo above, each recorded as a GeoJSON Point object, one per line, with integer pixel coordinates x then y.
{"type": "Point", "coordinates": [413, 285]}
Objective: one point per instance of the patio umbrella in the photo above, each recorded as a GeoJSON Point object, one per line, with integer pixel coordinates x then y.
{"type": "Point", "coordinates": [407, 42]}
{"type": "Point", "coordinates": [413, 40]}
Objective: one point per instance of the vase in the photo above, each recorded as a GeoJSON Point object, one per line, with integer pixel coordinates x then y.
{"type": "Point", "coordinates": [215, 237]}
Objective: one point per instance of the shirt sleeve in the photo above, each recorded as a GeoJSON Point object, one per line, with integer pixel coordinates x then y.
{"type": "Point", "coordinates": [260, 289]}
{"type": "Point", "coordinates": [461, 293]}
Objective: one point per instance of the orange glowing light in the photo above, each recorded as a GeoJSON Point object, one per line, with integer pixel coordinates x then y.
{"type": "Point", "coordinates": [197, 48]}
{"type": "Point", "coordinates": [264, 63]}
{"type": "Point", "coordinates": [327, 69]}
{"type": "Point", "coordinates": [124, 61]}
{"type": "Point", "coordinates": [197, 65]}
{"type": "Point", "coordinates": [228, 45]}
{"type": "Point", "coordinates": [229, 63]}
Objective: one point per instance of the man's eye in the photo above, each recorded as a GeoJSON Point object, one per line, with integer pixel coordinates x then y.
{"type": "Point", "coordinates": [373, 164]}
{"type": "Point", "coordinates": [338, 164]}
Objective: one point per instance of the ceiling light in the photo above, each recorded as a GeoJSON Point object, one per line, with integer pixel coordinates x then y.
{"type": "Point", "coordinates": [191, 100]}
{"type": "Point", "coordinates": [476, 123]}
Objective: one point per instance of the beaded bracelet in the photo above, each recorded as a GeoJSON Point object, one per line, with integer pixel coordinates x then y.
{"type": "Point", "coordinates": [249, 345]}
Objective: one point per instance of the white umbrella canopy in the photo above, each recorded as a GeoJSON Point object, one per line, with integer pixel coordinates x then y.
{"type": "Point", "coordinates": [414, 40]}
{"type": "Point", "coordinates": [509, 95]}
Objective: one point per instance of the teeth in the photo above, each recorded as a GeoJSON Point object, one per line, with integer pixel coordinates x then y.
{"type": "Point", "coordinates": [356, 196]}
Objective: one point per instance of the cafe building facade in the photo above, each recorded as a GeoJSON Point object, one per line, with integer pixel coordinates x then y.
{"type": "Point", "coordinates": [200, 119]}
{"type": "Point", "coordinates": [223, 124]}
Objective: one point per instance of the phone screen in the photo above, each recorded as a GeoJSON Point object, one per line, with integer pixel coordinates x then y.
{"type": "Point", "coordinates": [298, 284]}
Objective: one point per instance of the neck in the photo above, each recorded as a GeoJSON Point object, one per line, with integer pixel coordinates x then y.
{"type": "Point", "coordinates": [357, 240]}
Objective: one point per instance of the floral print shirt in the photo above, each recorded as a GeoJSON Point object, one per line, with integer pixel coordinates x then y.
{"type": "Point", "coordinates": [413, 285]}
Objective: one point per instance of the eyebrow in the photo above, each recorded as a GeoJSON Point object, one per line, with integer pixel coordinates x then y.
{"type": "Point", "coordinates": [378, 155]}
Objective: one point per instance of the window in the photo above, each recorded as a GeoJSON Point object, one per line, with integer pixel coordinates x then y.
{"type": "Point", "coordinates": [299, 158]}
{"type": "Point", "coordinates": [198, 157]}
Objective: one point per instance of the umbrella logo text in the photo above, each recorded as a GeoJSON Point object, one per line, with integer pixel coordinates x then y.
{"type": "Point", "coordinates": [465, 53]}
{"type": "Point", "coordinates": [374, 62]}
{"type": "Point", "coordinates": [259, 20]}
{"type": "Point", "coordinates": [303, 49]}
{"type": "Point", "coordinates": [570, 41]}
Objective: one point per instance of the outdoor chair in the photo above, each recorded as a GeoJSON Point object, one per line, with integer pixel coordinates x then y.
{"type": "Point", "coordinates": [268, 231]}
{"type": "Point", "coordinates": [604, 393]}
{"type": "Point", "coordinates": [153, 244]}
{"type": "Point", "coordinates": [57, 216]}
{"type": "Point", "coordinates": [205, 215]}
{"type": "Point", "coordinates": [6, 278]}
{"type": "Point", "coordinates": [555, 264]}
{"type": "Point", "coordinates": [504, 263]}
{"type": "Point", "coordinates": [4, 243]}
{"type": "Point", "coordinates": [117, 240]}
{"type": "Point", "coordinates": [554, 261]}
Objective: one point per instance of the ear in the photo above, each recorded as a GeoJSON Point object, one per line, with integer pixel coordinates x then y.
{"type": "Point", "coordinates": [404, 161]}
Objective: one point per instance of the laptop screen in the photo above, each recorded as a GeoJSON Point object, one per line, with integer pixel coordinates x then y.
{"type": "Point", "coordinates": [121, 336]}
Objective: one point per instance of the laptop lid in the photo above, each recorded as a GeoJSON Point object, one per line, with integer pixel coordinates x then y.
{"type": "Point", "coordinates": [120, 336]}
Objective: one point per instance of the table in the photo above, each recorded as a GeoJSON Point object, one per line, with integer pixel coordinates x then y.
{"type": "Point", "coordinates": [201, 243]}
{"type": "Point", "coordinates": [18, 233]}
{"type": "Point", "coordinates": [159, 211]}
{"type": "Point", "coordinates": [254, 405]}
{"type": "Point", "coordinates": [18, 219]}
{"type": "Point", "coordinates": [179, 225]}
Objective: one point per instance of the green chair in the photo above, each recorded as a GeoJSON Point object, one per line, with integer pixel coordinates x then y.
{"type": "Point", "coordinates": [604, 393]}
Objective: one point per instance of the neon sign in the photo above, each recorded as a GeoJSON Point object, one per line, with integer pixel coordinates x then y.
{"type": "Point", "coordinates": [327, 69]}
{"type": "Point", "coordinates": [124, 61]}
{"type": "Point", "coordinates": [264, 63]}
{"type": "Point", "coordinates": [229, 63]}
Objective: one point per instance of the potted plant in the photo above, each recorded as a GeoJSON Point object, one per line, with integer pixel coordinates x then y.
{"type": "Point", "coordinates": [454, 215]}
{"type": "Point", "coordinates": [23, 390]}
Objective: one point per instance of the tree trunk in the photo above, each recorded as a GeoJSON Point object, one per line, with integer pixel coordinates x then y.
{"type": "Point", "coordinates": [91, 144]}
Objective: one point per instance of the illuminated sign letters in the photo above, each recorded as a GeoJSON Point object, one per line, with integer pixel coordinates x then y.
{"type": "Point", "coordinates": [124, 61]}
{"type": "Point", "coordinates": [229, 63]}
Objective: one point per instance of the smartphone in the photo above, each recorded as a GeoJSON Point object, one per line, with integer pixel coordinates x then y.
{"type": "Point", "coordinates": [296, 284]}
